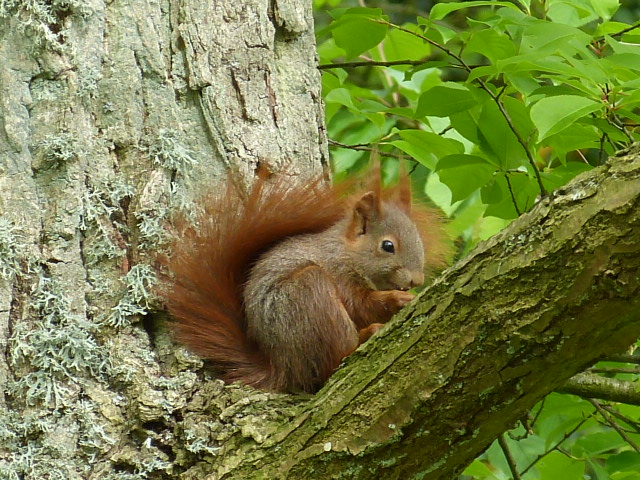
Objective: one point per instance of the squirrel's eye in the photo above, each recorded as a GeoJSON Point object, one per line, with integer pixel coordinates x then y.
{"type": "Point", "coordinates": [388, 246]}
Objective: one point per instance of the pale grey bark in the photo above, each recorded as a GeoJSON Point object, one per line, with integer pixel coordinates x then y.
{"type": "Point", "coordinates": [112, 114]}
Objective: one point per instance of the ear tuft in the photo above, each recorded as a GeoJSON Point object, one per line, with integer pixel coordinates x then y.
{"type": "Point", "coordinates": [404, 190]}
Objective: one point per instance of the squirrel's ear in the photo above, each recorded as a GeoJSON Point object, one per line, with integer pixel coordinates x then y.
{"type": "Point", "coordinates": [367, 208]}
{"type": "Point", "coordinates": [404, 190]}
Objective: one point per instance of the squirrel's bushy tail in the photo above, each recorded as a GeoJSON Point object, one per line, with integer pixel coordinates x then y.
{"type": "Point", "coordinates": [210, 260]}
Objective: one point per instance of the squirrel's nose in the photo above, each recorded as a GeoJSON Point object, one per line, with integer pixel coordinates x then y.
{"type": "Point", "coordinates": [417, 278]}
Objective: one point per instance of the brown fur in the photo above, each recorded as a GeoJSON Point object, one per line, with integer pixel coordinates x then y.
{"type": "Point", "coordinates": [304, 340]}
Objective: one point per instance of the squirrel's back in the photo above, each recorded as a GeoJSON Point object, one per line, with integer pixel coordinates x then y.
{"type": "Point", "coordinates": [273, 287]}
{"type": "Point", "coordinates": [209, 264]}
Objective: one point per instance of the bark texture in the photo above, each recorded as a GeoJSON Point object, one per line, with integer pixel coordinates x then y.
{"type": "Point", "coordinates": [112, 114]}
{"type": "Point", "coordinates": [542, 300]}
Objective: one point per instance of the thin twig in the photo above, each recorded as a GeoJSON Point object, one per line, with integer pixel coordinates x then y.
{"type": "Point", "coordinates": [601, 150]}
{"type": "Point", "coordinates": [628, 29]}
{"type": "Point", "coordinates": [635, 370]}
{"type": "Point", "coordinates": [510, 460]}
{"type": "Point", "coordinates": [611, 421]}
{"type": "Point", "coordinates": [623, 358]}
{"type": "Point", "coordinates": [620, 128]}
{"type": "Point", "coordinates": [372, 63]}
{"type": "Point", "coordinates": [633, 425]}
{"type": "Point", "coordinates": [557, 445]}
{"type": "Point", "coordinates": [513, 196]}
{"type": "Point", "coordinates": [590, 385]}
{"type": "Point", "coordinates": [537, 415]}
{"type": "Point", "coordinates": [364, 147]}
{"type": "Point", "coordinates": [483, 85]}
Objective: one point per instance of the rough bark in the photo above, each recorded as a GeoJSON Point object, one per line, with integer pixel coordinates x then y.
{"type": "Point", "coordinates": [544, 299]}
{"type": "Point", "coordinates": [111, 114]}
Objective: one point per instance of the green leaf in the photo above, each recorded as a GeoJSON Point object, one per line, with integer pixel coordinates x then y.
{"type": "Point", "coordinates": [400, 45]}
{"type": "Point", "coordinates": [533, 62]}
{"type": "Point", "coordinates": [628, 60]}
{"type": "Point", "coordinates": [523, 82]}
{"type": "Point", "coordinates": [558, 177]}
{"type": "Point", "coordinates": [561, 414]}
{"type": "Point", "coordinates": [466, 124]}
{"type": "Point", "coordinates": [464, 174]}
{"type": "Point", "coordinates": [558, 465]}
{"type": "Point", "coordinates": [570, 12]}
{"type": "Point", "coordinates": [341, 96]}
{"type": "Point", "coordinates": [599, 471]}
{"type": "Point", "coordinates": [554, 91]}
{"type": "Point", "coordinates": [487, 71]}
{"type": "Point", "coordinates": [605, 8]}
{"type": "Point", "coordinates": [526, 4]}
{"type": "Point", "coordinates": [357, 30]}
{"type": "Point", "coordinates": [432, 66]}
{"type": "Point", "coordinates": [608, 28]}
{"type": "Point", "coordinates": [498, 140]}
{"type": "Point", "coordinates": [491, 44]}
{"type": "Point", "coordinates": [328, 50]}
{"type": "Point", "coordinates": [589, 68]}
{"type": "Point", "coordinates": [478, 470]}
{"type": "Point", "coordinates": [445, 33]}
{"type": "Point", "coordinates": [622, 47]}
{"type": "Point", "coordinates": [497, 194]}
{"type": "Point", "coordinates": [427, 147]}
{"type": "Point", "coordinates": [444, 100]}
{"type": "Point", "coordinates": [441, 10]}
{"type": "Point", "coordinates": [598, 442]}
{"type": "Point", "coordinates": [624, 461]}
{"type": "Point", "coordinates": [520, 116]}
{"type": "Point", "coordinates": [553, 114]}
{"type": "Point", "coordinates": [546, 38]}
{"type": "Point", "coordinates": [574, 137]}
{"type": "Point", "coordinates": [630, 100]}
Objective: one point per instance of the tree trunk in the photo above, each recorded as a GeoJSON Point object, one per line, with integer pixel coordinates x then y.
{"type": "Point", "coordinates": [113, 114]}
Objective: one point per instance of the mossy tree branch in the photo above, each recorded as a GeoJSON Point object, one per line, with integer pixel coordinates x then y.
{"type": "Point", "coordinates": [544, 299]}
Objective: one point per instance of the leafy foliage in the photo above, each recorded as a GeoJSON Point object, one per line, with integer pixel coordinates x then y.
{"type": "Point", "coordinates": [566, 436]}
{"type": "Point", "coordinates": [497, 108]}
{"type": "Point", "coordinates": [496, 104]}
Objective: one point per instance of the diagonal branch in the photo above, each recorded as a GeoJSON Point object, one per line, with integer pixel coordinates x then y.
{"type": "Point", "coordinates": [528, 309]}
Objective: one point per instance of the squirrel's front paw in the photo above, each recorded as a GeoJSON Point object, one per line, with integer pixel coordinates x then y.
{"type": "Point", "coordinates": [401, 298]}
{"type": "Point", "coordinates": [395, 299]}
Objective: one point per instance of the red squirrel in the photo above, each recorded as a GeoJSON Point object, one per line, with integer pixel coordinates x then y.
{"type": "Point", "coordinates": [277, 286]}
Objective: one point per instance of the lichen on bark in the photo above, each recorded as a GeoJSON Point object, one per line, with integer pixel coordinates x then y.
{"type": "Point", "coordinates": [113, 116]}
